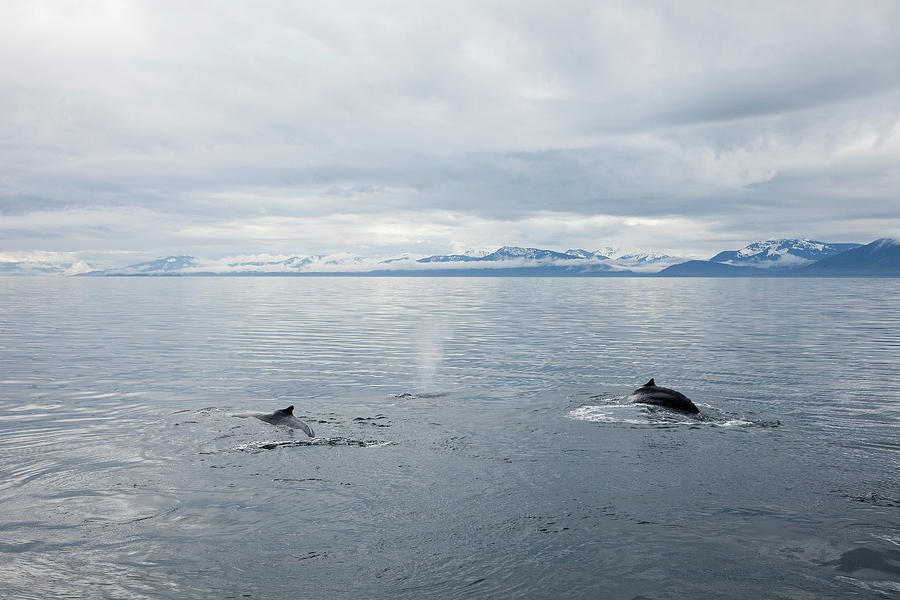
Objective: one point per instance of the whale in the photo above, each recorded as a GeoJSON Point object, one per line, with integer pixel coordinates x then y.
{"type": "Point", "coordinates": [285, 417]}
{"type": "Point", "coordinates": [652, 394]}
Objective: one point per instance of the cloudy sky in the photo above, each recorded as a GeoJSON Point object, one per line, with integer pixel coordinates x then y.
{"type": "Point", "coordinates": [130, 130]}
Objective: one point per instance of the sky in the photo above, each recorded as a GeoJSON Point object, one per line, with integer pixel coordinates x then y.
{"type": "Point", "coordinates": [132, 130]}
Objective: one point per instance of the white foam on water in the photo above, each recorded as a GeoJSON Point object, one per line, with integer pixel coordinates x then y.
{"type": "Point", "coordinates": [630, 414]}
{"type": "Point", "coordinates": [608, 413]}
{"type": "Point", "coordinates": [734, 423]}
{"type": "Point", "coordinates": [338, 441]}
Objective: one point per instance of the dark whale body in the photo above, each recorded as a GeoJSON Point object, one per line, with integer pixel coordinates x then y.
{"type": "Point", "coordinates": [285, 416]}
{"type": "Point", "coordinates": [650, 393]}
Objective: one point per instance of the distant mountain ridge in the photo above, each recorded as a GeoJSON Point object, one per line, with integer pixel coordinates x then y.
{"type": "Point", "coordinates": [169, 264]}
{"type": "Point", "coordinates": [767, 258]}
{"type": "Point", "coordinates": [780, 253]}
{"type": "Point", "coordinates": [505, 253]}
{"type": "Point", "coordinates": [879, 258]}
{"type": "Point", "coordinates": [450, 258]}
{"type": "Point", "coordinates": [524, 260]}
{"type": "Point", "coordinates": [614, 258]}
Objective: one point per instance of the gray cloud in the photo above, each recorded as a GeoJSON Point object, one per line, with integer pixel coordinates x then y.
{"type": "Point", "coordinates": [155, 127]}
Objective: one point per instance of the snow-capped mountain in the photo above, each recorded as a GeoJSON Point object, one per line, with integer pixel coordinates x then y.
{"type": "Point", "coordinates": [638, 260]}
{"type": "Point", "coordinates": [809, 258]}
{"type": "Point", "coordinates": [506, 253]}
{"type": "Point", "coordinates": [515, 252]}
{"type": "Point", "coordinates": [602, 259]}
{"type": "Point", "coordinates": [503, 258]}
{"type": "Point", "coordinates": [538, 254]}
{"type": "Point", "coordinates": [587, 254]}
{"type": "Point", "coordinates": [169, 264]}
{"type": "Point", "coordinates": [625, 255]}
{"type": "Point", "coordinates": [248, 265]}
{"type": "Point", "coordinates": [645, 262]}
{"type": "Point", "coordinates": [477, 252]}
{"type": "Point", "coordinates": [294, 262]}
{"type": "Point", "coordinates": [781, 253]}
{"type": "Point", "coordinates": [645, 258]}
{"type": "Point", "coordinates": [447, 258]}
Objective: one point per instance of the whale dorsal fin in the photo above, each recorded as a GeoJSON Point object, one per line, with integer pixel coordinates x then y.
{"type": "Point", "coordinates": [289, 410]}
{"type": "Point", "coordinates": [651, 382]}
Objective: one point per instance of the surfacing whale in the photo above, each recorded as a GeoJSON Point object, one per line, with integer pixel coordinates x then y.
{"type": "Point", "coordinates": [650, 393]}
{"type": "Point", "coordinates": [286, 417]}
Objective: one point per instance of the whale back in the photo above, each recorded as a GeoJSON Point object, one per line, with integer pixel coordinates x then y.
{"type": "Point", "coordinates": [652, 394]}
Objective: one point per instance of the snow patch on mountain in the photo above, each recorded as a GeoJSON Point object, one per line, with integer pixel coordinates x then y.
{"type": "Point", "coordinates": [586, 254]}
{"type": "Point", "coordinates": [781, 247]}
{"type": "Point", "coordinates": [781, 253]}
{"type": "Point", "coordinates": [536, 254]}
{"type": "Point", "coordinates": [631, 259]}
{"type": "Point", "coordinates": [169, 264]}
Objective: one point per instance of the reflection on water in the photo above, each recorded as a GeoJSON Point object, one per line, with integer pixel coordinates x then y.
{"type": "Point", "coordinates": [472, 439]}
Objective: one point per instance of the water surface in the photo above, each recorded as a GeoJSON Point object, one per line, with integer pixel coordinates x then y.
{"type": "Point", "coordinates": [471, 440]}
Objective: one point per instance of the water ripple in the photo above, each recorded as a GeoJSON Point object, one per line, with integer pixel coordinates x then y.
{"type": "Point", "coordinates": [473, 445]}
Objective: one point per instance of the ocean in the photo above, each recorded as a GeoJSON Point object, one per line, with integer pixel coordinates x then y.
{"type": "Point", "coordinates": [471, 438]}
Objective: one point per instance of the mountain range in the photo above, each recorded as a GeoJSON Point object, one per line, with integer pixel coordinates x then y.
{"type": "Point", "coordinates": [768, 258]}
{"type": "Point", "coordinates": [505, 261]}
{"type": "Point", "coordinates": [880, 258]}
{"type": "Point", "coordinates": [780, 254]}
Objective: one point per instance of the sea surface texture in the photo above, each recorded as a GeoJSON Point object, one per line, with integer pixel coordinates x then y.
{"type": "Point", "coordinates": [472, 439]}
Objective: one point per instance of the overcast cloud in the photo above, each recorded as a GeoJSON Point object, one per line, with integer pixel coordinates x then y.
{"type": "Point", "coordinates": [137, 129]}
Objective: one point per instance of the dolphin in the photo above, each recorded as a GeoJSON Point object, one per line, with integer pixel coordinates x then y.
{"type": "Point", "coordinates": [286, 417]}
{"type": "Point", "coordinates": [650, 393]}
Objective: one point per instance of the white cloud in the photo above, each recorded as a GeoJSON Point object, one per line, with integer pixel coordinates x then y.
{"type": "Point", "coordinates": [42, 262]}
{"type": "Point", "coordinates": [241, 126]}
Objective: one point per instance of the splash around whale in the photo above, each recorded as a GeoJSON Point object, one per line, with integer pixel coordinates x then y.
{"type": "Point", "coordinates": [286, 418]}
{"type": "Point", "coordinates": [652, 394]}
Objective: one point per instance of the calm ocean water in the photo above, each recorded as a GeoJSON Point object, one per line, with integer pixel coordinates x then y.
{"type": "Point", "coordinates": [471, 441]}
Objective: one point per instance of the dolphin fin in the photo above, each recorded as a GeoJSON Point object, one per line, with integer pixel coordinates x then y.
{"type": "Point", "coordinates": [289, 410]}
{"type": "Point", "coordinates": [306, 429]}
{"type": "Point", "coordinates": [651, 382]}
